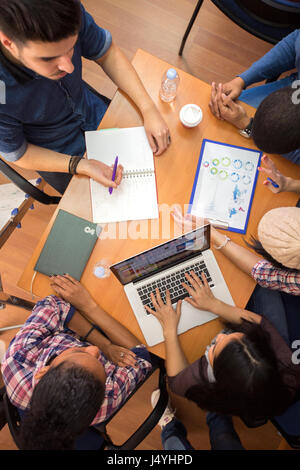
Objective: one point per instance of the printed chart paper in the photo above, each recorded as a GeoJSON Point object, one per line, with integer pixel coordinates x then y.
{"type": "Point", "coordinates": [224, 184]}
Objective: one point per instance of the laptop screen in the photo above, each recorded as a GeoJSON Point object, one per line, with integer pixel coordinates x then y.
{"type": "Point", "coordinates": [163, 256]}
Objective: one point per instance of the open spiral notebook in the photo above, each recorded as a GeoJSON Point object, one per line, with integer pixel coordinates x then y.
{"type": "Point", "coordinates": [136, 197]}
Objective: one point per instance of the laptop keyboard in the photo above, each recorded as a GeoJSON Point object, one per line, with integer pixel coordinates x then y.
{"type": "Point", "coordinates": [173, 282]}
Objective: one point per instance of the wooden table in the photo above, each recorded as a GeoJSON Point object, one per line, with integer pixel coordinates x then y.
{"type": "Point", "coordinates": [175, 171]}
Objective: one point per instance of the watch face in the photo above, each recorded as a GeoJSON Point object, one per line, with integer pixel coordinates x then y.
{"type": "Point", "coordinates": [245, 133]}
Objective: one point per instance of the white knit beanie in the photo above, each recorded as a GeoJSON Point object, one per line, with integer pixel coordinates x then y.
{"type": "Point", "coordinates": [279, 234]}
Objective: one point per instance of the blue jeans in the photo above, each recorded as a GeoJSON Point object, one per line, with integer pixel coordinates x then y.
{"type": "Point", "coordinates": [221, 432]}
{"type": "Point", "coordinates": [269, 304]}
{"type": "Point", "coordinates": [173, 436]}
{"type": "Point", "coordinates": [254, 96]}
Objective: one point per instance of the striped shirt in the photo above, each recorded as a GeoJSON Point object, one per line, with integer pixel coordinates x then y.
{"type": "Point", "coordinates": [45, 334]}
{"type": "Point", "coordinates": [285, 280]}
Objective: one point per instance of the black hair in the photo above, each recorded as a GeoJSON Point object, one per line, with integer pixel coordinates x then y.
{"type": "Point", "coordinates": [40, 20]}
{"type": "Point", "coordinates": [249, 381]}
{"type": "Point", "coordinates": [259, 249]}
{"type": "Point", "coordinates": [276, 122]}
{"type": "Point", "coordinates": [63, 405]}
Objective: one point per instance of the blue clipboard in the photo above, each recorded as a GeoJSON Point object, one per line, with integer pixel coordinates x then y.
{"type": "Point", "coordinates": [199, 169]}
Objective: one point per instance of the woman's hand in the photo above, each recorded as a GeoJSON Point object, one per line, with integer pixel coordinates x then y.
{"type": "Point", "coordinates": [164, 312]}
{"type": "Point", "coordinates": [187, 222]}
{"type": "Point", "coordinates": [70, 290]}
{"type": "Point", "coordinates": [201, 296]}
{"type": "Point", "coordinates": [274, 174]}
{"type": "Point", "coordinates": [121, 356]}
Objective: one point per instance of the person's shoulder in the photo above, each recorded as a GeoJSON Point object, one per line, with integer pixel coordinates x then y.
{"type": "Point", "coordinates": [5, 76]}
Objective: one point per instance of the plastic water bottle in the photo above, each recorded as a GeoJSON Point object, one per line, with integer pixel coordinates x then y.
{"type": "Point", "coordinates": [169, 85]}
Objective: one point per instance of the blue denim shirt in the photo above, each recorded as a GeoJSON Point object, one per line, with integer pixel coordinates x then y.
{"type": "Point", "coordinates": [53, 113]}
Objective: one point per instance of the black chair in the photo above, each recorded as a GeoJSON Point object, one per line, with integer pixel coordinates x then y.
{"type": "Point", "coordinates": [25, 185]}
{"type": "Point", "coordinates": [288, 424]}
{"type": "Point", "coordinates": [96, 437]}
{"type": "Point", "coordinates": [268, 20]}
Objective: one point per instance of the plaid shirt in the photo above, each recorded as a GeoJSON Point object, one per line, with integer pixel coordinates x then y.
{"type": "Point", "coordinates": [266, 275]}
{"type": "Point", "coordinates": [45, 334]}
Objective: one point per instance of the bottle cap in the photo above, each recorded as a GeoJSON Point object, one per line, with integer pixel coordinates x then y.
{"type": "Point", "coordinates": [190, 115]}
{"type": "Point", "coordinates": [171, 74]}
{"type": "Point", "coordinates": [101, 269]}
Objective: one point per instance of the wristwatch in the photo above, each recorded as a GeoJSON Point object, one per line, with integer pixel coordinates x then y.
{"type": "Point", "coordinates": [247, 131]}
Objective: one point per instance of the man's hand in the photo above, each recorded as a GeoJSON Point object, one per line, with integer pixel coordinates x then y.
{"type": "Point", "coordinates": [274, 174]}
{"type": "Point", "coordinates": [157, 131]}
{"type": "Point", "coordinates": [231, 89]}
{"type": "Point", "coordinates": [234, 88]}
{"type": "Point", "coordinates": [165, 313]}
{"type": "Point", "coordinates": [70, 290]}
{"type": "Point", "coordinates": [228, 110]}
{"type": "Point", "coordinates": [100, 172]}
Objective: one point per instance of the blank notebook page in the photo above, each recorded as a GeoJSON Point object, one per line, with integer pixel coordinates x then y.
{"type": "Point", "coordinates": [136, 197]}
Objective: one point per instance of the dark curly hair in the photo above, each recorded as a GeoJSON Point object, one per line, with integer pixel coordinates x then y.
{"type": "Point", "coordinates": [63, 405]}
{"type": "Point", "coordinates": [40, 20]}
{"type": "Point", "coordinates": [249, 380]}
{"type": "Point", "coordinates": [275, 126]}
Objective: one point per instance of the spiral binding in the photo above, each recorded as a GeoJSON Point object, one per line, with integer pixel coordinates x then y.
{"type": "Point", "coordinates": [138, 173]}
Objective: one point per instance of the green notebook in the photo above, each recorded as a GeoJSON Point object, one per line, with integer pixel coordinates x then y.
{"type": "Point", "coordinates": [68, 246]}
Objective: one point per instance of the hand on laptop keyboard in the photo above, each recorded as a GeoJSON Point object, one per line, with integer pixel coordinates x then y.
{"type": "Point", "coordinates": [181, 290]}
{"type": "Point", "coordinates": [164, 312]}
{"type": "Point", "coordinates": [200, 293]}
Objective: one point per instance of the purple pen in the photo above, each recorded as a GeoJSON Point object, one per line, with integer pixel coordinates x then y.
{"type": "Point", "coordinates": [110, 190]}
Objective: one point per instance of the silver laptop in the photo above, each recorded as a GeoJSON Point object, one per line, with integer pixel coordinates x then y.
{"type": "Point", "coordinates": [164, 267]}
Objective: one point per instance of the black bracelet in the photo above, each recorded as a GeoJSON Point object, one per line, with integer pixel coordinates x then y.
{"type": "Point", "coordinates": [93, 327]}
{"type": "Point", "coordinates": [84, 338]}
{"type": "Point", "coordinates": [73, 163]}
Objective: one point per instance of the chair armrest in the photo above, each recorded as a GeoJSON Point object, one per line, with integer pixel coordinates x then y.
{"type": "Point", "coordinates": [26, 186]}
{"type": "Point", "coordinates": [146, 427]}
{"type": "Point", "coordinates": [151, 421]}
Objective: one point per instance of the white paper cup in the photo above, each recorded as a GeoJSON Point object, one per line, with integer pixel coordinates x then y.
{"type": "Point", "coordinates": [190, 115]}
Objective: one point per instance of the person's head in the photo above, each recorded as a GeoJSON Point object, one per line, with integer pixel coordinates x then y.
{"type": "Point", "coordinates": [248, 382]}
{"type": "Point", "coordinates": [41, 35]}
{"type": "Point", "coordinates": [66, 398]}
{"type": "Point", "coordinates": [279, 237]}
{"type": "Point", "coordinates": [275, 126]}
